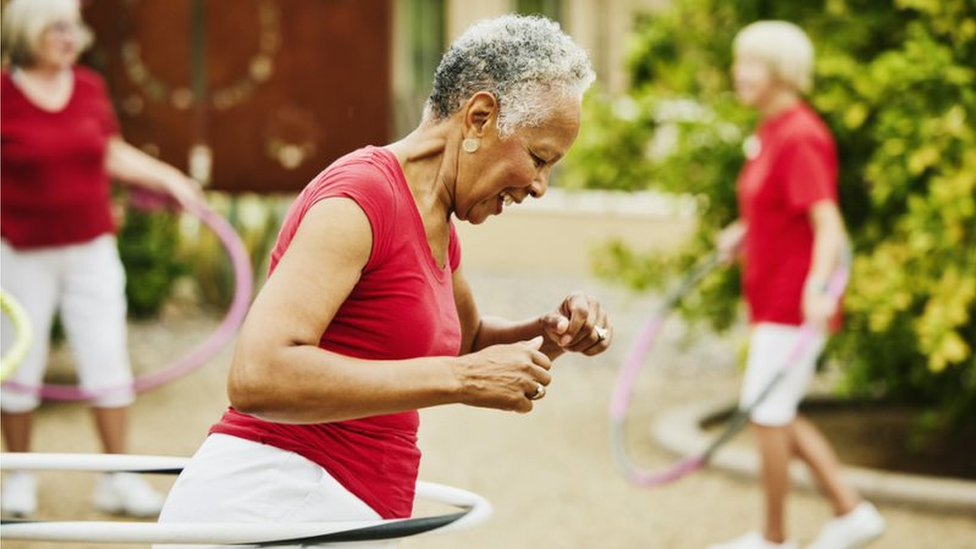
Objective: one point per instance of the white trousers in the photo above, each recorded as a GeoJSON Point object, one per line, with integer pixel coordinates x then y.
{"type": "Point", "coordinates": [86, 283]}
{"type": "Point", "coordinates": [769, 347]}
{"type": "Point", "coordinates": [231, 479]}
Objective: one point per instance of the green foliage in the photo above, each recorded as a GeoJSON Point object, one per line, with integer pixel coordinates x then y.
{"type": "Point", "coordinates": [147, 245]}
{"type": "Point", "coordinates": [895, 81]}
{"type": "Point", "coordinates": [256, 220]}
{"type": "Point", "coordinates": [158, 247]}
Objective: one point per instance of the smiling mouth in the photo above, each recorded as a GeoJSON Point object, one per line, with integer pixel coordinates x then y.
{"type": "Point", "coordinates": [507, 198]}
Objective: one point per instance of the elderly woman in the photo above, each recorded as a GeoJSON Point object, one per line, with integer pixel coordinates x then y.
{"type": "Point", "coordinates": [793, 240]}
{"type": "Point", "coordinates": [366, 315]}
{"type": "Point", "coordinates": [61, 148]}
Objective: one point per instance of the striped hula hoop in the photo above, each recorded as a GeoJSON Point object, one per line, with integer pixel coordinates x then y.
{"type": "Point", "coordinates": [195, 358]}
{"type": "Point", "coordinates": [475, 510]}
{"type": "Point", "coordinates": [623, 392]}
{"type": "Point", "coordinates": [25, 335]}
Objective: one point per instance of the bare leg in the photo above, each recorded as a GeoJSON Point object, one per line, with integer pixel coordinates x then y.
{"type": "Point", "coordinates": [775, 451]}
{"type": "Point", "coordinates": [814, 449]}
{"type": "Point", "coordinates": [112, 424]}
{"type": "Point", "coordinates": [17, 430]}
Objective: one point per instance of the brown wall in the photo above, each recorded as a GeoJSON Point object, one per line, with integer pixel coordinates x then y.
{"type": "Point", "coordinates": [287, 85]}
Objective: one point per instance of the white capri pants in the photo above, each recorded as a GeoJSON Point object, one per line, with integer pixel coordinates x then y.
{"type": "Point", "coordinates": [231, 479]}
{"type": "Point", "coordinates": [86, 283]}
{"type": "Point", "coordinates": [769, 347]}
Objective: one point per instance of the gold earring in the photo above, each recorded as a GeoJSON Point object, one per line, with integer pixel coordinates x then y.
{"type": "Point", "coordinates": [470, 145]}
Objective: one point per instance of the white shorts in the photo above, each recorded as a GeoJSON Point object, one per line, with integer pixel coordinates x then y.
{"type": "Point", "coordinates": [86, 282]}
{"type": "Point", "coordinates": [769, 347]}
{"type": "Point", "coordinates": [231, 479]}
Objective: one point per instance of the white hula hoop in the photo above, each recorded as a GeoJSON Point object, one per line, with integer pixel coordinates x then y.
{"type": "Point", "coordinates": [474, 511]}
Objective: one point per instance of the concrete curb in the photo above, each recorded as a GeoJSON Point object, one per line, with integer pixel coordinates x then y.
{"type": "Point", "coordinates": [679, 431]}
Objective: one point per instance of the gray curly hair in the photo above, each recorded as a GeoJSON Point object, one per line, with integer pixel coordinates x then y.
{"type": "Point", "coordinates": [521, 60]}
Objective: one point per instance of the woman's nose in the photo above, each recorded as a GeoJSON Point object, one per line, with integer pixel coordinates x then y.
{"type": "Point", "coordinates": [539, 185]}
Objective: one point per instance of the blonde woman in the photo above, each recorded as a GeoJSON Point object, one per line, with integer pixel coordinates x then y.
{"type": "Point", "coordinates": [792, 237]}
{"type": "Point", "coordinates": [61, 148]}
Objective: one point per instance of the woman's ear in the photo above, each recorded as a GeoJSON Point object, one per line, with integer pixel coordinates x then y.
{"type": "Point", "coordinates": [482, 109]}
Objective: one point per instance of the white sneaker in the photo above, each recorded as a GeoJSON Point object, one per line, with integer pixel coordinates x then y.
{"type": "Point", "coordinates": [19, 496]}
{"type": "Point", "coordinates": [855, 529]}
{"type": "Point", "coordinates": [127, 494]}
{"type": "Point", "coordinates": [753, 540]}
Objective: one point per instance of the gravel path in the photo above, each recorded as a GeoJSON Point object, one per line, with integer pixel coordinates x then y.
{"type": "Point", "coordinates": [548, 474]}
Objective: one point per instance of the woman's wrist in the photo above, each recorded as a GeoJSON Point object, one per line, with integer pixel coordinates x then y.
{"type": "Point", "coordinates": [452, 387]}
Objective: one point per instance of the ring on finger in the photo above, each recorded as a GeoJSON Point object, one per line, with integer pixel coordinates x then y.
{"type": "Point", "coordinates": [601, 333]}
{"type": "Point", "coordinates": [540, 391]}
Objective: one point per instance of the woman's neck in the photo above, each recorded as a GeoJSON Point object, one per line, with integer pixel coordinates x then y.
{"type": "Point", "coordinates": [429, 164]}
{"type": "Point", "coordinates": [45, 74]}
{"type": "Point", "coordinates": [778, 103]}
{"type": "Point", "coordinates": [49, 88]}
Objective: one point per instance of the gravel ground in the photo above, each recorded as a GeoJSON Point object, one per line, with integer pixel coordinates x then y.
{"type": "Point", "coordinates": [548, 474]}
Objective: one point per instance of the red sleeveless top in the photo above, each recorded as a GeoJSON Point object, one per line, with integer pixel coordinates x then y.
{"type": "Point", "coordinates": [401, 308]}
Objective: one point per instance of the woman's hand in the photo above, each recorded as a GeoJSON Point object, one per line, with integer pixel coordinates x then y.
{"type": "Point", "coordinates": [580, 325]}
{"type": "Point", "coordinates": [730, 240]}
{"type": "Point", "coordinates": [818, 305]}
{"type": "Point", "coordinates": [506, 377]}
{"type": "Point", "coordinates": [185, 190]}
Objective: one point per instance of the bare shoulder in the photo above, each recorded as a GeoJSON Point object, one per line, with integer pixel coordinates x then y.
{"type": "Point", "coordinates": [334, 228]}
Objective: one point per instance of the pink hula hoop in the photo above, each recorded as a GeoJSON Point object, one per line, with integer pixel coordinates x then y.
{"type": "Point", "coordinates": [627, 378]}
{"type": "Point", "coordinates": [198, 356]}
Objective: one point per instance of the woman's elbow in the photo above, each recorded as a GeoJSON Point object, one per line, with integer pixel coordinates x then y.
{"type": "Point", "coordinates": [245, 388]}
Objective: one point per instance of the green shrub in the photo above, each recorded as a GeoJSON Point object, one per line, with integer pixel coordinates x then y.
{"type": "Point", "coordinates": [148, 243]}
{"type": "Point", "coordinates": [256, 219]}
{"type": "Point", "coordinates": [896, 84]}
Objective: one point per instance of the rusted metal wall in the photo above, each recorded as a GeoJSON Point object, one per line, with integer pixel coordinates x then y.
{"type": "Point", "coordinates": [256, 95]}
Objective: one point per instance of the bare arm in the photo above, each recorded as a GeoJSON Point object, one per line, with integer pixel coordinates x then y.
{"type": "Point", "coordinates": [280, 374]}
{"type": "Point", "coordinates": [828, 244]}
{"type": "Point", "coordinates": [571, 328]}
{"type": "Point", "coordinates": [132, 166]}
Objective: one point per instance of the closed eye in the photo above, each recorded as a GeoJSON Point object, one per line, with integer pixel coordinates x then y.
{"type": "Point", "coordinates": [538, 161]}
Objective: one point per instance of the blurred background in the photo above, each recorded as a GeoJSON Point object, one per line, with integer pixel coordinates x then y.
{"type": "Point", "coordinates": [255, 97]}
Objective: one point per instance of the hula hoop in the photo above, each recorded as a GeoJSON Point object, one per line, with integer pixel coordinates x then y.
{"type": "Point", "coordinates": [623, 391]}
{"type": "Point", "coordinates": [474, 511]}
{"type": "Point", "coordinates": [195, 358]}
{"type": "Point", "coordinates": [25, 334]}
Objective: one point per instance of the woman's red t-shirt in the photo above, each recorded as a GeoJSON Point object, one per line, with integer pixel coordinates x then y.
{"type": "Point", "coordinates": [53, 180]}
{"type": "Point", "coordinates": [402, 307]}
{"type": "Point", "coordinates": [794, 168]}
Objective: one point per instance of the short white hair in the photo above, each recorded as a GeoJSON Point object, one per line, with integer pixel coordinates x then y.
{"type": "Point", "coordinates": [25, 20]}
{"type": "Point", "coordinates": [784, 46]}
{"type": "Point", "coordinates": [522, 60]}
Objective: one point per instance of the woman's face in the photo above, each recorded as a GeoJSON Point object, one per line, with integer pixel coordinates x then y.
{"type": "Point", "coordinates": [59, 44]}
{"type": "Point", "coordinates": [754, 81]}
{"type": "Point", "coordinates": [516, 167]}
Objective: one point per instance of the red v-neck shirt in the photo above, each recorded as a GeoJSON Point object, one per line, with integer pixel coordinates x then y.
{"type": "Point", "coordinates": [54, 185]}
{"type": "Point", "coordinates": [796, 167]}
{"type": "Point", "coordinates": [402, 307]}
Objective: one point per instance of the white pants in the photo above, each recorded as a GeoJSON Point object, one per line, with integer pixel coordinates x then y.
{"type": "Point", "coordinates": [769, 347]}
{"type": "Point", "coordinates": [231, 479]}
{"type": "Point", "coordinates": [86, 282]}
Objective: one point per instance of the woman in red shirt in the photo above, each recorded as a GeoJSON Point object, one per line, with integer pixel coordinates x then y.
{"type": "Point", "coordinates": [367, 316]}
{"type": "Point", "coordinates": [59, 149]}
{"type": "Point", "coordinates": [793, 235]}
